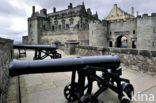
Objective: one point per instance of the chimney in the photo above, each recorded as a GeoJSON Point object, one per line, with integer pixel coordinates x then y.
{"type": "Point", "coordinates": [132, 11]}
{"type": "Point", "coordinates": [70, 6]}
{"type": "Point", "coordinates": [33, 10]}
{"type": "Point", "coordinates": [89, 11]}
{"type": "Point", "coordinates": [54, 10]}
{"type": "Point", "coordinates": [43, 11]}
{"type": "Point", "coordinates": [137, 13]}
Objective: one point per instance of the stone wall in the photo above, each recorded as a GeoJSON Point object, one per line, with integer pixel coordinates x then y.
{"type": "Point", "coordinates": [61, 38]}
{"type": "Point", "coordinates": [98, 34]}
{"type": "Point", "coordinates": [140, 60]}
{"type": "Point", "coordinates": [5, 58]}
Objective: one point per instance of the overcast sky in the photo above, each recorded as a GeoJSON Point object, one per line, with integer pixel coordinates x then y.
{"type": "Point", "coordinates": [14, 13]}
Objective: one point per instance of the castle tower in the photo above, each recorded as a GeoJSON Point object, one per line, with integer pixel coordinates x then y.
{"type": "Point", "coordinates": [97, 34]}
{"type": "Point", "coordinates": [33, 28]}
{"type": "Point", "coordinates": [146, 31]}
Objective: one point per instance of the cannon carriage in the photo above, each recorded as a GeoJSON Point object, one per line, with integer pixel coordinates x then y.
{"type": "Point", "coordinates": [86, 68]}
{"type": "Point", "coordinates": [41, 51]}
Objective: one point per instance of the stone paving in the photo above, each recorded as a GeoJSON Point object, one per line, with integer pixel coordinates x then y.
{"type": "Point", "coordinates": [48, 88]}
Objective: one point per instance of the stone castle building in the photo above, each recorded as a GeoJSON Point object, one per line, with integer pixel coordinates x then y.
{"type": "Point", "coordinates": [68, 24]}
{"type": "Point", "coordinates": [118, 29]}
{"type": "Point", "coordinates": [121, 29]}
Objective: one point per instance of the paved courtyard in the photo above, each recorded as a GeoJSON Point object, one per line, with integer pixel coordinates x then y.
{"type": "Point", "coordinates": [48, 88]}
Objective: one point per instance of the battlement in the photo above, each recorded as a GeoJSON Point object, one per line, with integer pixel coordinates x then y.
{"type": "Point", "coordinates": [146, 15]}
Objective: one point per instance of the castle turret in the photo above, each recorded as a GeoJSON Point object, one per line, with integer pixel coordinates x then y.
{"type": "Point", "coordinates": [146, 30]}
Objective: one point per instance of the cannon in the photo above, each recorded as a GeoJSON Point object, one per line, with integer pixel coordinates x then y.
{"type": "Point", "coordinates": [85, 68]}
{"type": "Point", "coordinates": [41, 51]}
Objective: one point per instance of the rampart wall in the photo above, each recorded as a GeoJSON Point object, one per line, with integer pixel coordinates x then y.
{"type": "Point", "coordinates": [5, 58]}
{"type": "Point", "coordinates": [140, 60]}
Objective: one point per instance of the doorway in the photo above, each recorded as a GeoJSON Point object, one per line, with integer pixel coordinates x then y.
{"type": "Point", "coordinates": [122, 42]}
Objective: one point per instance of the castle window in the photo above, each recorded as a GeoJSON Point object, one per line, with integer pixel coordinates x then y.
{"type": "Point", "coordinates": [30, 25]}
{"type": "Point", "coordinates": [110, 33]}
{"type": "Point", "coordinates": [59, 27]}
{"type": "Point", "coordinates": [52, 28]}
{"type": "Point", "coordinates": [67, 26]}
{"type": "Point", "coordinates": [152, 43]}
{"type": "Point", "coordinates": [77, 26]}
{"type": "Point", "coordinates": [133, 31]}
{"type": "Point", "coordinates": [154, 30]}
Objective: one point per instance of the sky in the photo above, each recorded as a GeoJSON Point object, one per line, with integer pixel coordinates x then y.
{"type": "Point", "coordinates": [14, 13]}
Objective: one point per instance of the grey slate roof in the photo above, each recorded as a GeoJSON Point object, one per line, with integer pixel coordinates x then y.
{"type": "Point", "coordinates": [66, 11]}
{"type": "Point", "coordinates": [40, 15]}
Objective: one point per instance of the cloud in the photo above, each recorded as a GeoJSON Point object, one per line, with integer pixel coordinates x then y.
{"type": "Point", "coordinates": [13, 19]}
{"type": "Point", "coordinates": [7, 9]}
{"type": "Point", "coordinates": [103, 7]}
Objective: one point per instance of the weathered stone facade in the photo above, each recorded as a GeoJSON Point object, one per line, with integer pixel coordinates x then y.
{"type": "Point", "coordinates": [119, 29]}
{"type": "Point", "coordinates": [5, 58]}
{"type": "Point", "coordinates": [139, 32]}
{"type": "Point", "coordinates": [140, 60]}
{"type": "Point", "coordinates": [68, 24]}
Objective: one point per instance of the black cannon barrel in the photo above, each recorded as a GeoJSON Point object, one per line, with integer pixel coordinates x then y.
{"type": "Point", "coordinates": [43, 47]}
{"type": "Point", "coordinates": [18, 67]}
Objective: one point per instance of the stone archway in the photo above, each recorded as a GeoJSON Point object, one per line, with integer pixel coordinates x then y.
{"type": "Point", "coordinates": [121, 42]}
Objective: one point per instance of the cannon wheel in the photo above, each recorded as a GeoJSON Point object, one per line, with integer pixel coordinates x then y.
{"type": "Point", "coordinates": [69, 92]}
{"type": "Point", "coordinates": [129, 90]}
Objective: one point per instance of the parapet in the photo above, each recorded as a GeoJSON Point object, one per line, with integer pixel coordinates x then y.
{"type": "Point", "coordinates": [153, 14]}
{"type": "Point", "coordinates": [123, 21]}
{"type": "Point", "coordinates": [145, 15]}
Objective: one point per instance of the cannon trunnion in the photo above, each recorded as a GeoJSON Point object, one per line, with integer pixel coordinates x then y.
{"type": "Point", "coordinates": [85, 68]}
